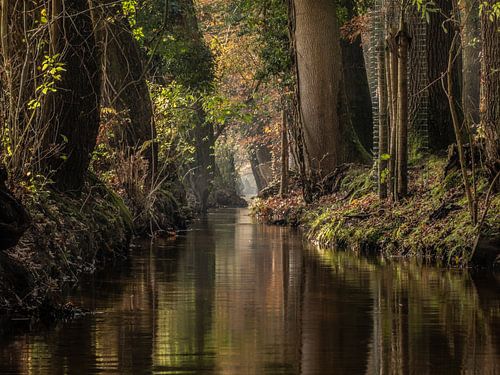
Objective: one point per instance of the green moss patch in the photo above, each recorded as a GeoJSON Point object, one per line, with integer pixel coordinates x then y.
{"type": "Point", "coordinates": [432, 223]}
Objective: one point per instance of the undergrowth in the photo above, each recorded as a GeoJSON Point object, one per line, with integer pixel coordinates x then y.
{"type": "Point", "coordinates": [432, 223]}
{"type": "Point", "coordinates": [68, 236]}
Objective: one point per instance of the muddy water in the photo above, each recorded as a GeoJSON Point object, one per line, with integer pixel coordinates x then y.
{"type": "Point", "coordinates": [234, 297]}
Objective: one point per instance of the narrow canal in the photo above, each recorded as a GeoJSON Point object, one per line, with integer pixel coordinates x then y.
{"type": "Point", "coordinates": [234, 297]}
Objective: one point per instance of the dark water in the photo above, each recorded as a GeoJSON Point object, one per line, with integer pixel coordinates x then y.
{"type": "Point", "coordinates": [233, 297]}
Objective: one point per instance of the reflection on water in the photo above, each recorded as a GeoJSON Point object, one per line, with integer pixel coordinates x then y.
{"type": "Point", "coordinates": [233, 297]}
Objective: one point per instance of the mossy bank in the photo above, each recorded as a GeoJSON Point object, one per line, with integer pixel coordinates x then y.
{"type": "Point", "coordinates": [67, 236]}
{"type": "Point", "coordinates": [433, 223]}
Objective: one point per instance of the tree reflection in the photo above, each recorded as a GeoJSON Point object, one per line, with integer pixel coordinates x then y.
{"type": "Point", "coordinates": [233, 297]}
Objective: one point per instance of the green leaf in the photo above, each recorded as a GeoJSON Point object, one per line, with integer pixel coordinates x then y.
{"type": "Point", "coordinates": [385, 157]}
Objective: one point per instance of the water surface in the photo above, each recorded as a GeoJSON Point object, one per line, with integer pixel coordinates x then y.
{"type": "Point", "coordinates": [234, 297]}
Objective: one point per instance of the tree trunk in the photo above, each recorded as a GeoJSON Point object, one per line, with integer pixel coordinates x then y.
{"type": "Point", "coordinates": [73, 111]}
{"type": "Point", "coordinates": [55, 27]}
{"type": "Point", "coordinates": [284, 153]}
{"type": "Point", "coordinates": [438, 44]}
{"type": "Point", "coordinates": [393, 89]}
{"type": "Point", "coordinates": [328, 133]}
{"type": "Point", "coordinates": [490, 89]}
{"type": "Point", "coordinates": [471, 202]}
{"type": "Point", "coordinates": [383, 123]}
{"type": "Point", "coordinates": [205, 167]}
{"type": "Point", "coordinates": [471, 65]}
{"type": "Point", "coordinates": [124, 84]}
{"type": "Point", "coordinates": [355, 74]}
{"type": "Point", "coordinates": [257, 174]}
{"type": "Point", "coordinates": [357, 91]}
{"type": "Point", "coordinates": [265, 159]}
{"type": "Point", "coordinates": [4, 30]}
{"type": "Point", "coordinates": [402, 131]}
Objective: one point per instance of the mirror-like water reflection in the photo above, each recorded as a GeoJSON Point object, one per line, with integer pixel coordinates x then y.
{"type": "Point", "coordinates": [233, 297]}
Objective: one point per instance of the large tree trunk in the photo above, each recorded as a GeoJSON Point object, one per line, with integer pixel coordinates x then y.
{"type": "Point", "coordinates": [284, 151]}
{"type": "Point", "coordinates": [438, 44]}
{"type": "Point", "coordinates": [392, 89]}
{"type": "Point", "coordinates": [73, 111]}
{"type": "Point", "coordinates": [490, 90]}
{"type": "Point", "coordinates": [357, 91]}
{"type": "Point", "coordinates": [383, 135]}
{"type": "Point", "coordinates": [328, 134]}
{"type": "Point", "coordinates": [471, 65]}
{"type": "Point", "coordinates": [205, 167]}
{"type": "Point", "coordinates": [356, 78]}
{"type": "Point", "coordinates": [402, 130]}
{"type": "Point", "coordinates": [124, 83]}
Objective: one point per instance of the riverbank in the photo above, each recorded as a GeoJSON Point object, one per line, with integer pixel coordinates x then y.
{"type": "Point", "coordinates": [69, 236]}
{"type": "Point", "coordinates": [235, 294]}
{"type": "Point", "coordinates": [432, 223]}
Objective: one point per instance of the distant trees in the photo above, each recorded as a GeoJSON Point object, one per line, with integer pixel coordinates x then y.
{"type": "Point", "coordinates": [190, 62]}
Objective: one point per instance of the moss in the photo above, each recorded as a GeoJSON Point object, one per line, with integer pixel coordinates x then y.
{"type": "Point", "coordinates": [410, 228]}
{"type": "Point", "coordinates": [69, 236]}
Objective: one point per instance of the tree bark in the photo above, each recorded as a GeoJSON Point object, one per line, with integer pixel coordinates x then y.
{"type": "Point", "coordinates": [4, 30]}
{"type": "Point", "coordinates": [265, 159]}
{"type": "Point", "coordinates": [357, 91]}
{"type": "Point", "coordinates": [355, 74]}
{"type": "Point", "coordinates": [438, 44]}
{"type": "Point", "coordinates": [284, 153]}
{"type": "Point", "coordinates": [124, 82]}
{"type": "Point", "coordinates": [393, 88]}
{"type": "Point", "coordinates": [73, 111]}
{"type": "Point", "coordinates": [55, 27]}
{"type": "Point", "coordinates": [471, 65]}
{"type": "Point", "coordinates": [328, 134]}
{"type": "Point", "coordinates": [402, 131]}
{"type": "Point", "coordinates": [205, 167]}
{"type": "Point", "coordinates": [471, 202]}
{"type": "Point", "coordinates": [490, 89]}
{"type": "Point", "coordinates": [383, 123]}
{"type": "Point", "coordinates": [257, 174]}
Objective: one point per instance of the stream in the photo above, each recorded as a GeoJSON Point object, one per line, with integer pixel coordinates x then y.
{"type": "Point", "coordinates": [231, 296]}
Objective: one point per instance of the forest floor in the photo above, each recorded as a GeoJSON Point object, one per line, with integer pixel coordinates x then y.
{"type": "Point", "coordinates": [433, 223]}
